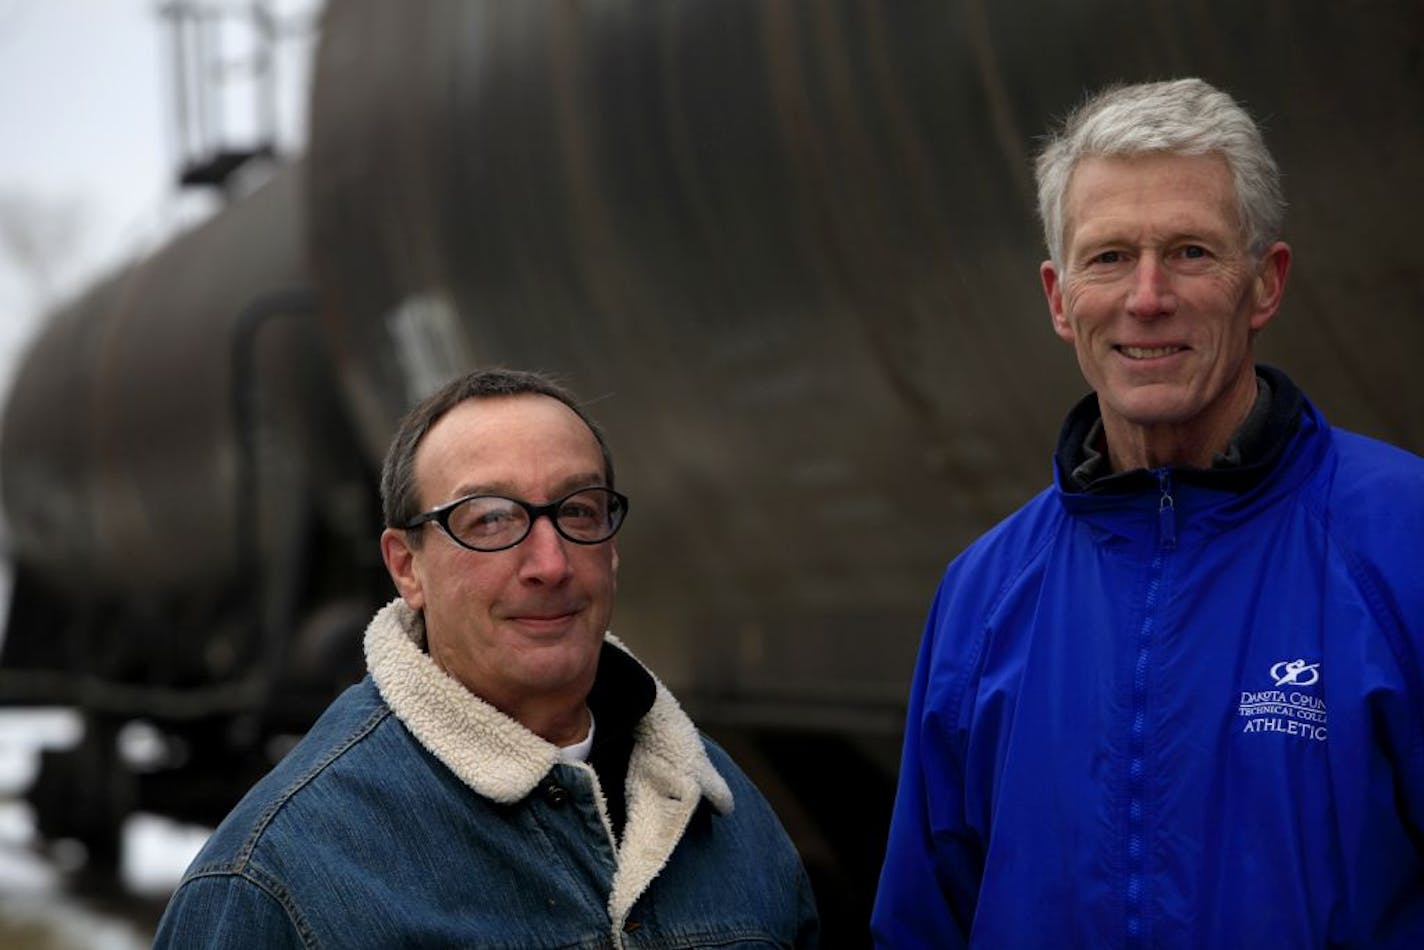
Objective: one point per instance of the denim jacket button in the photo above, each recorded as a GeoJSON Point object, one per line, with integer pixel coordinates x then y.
{"type": "Point", "coordinates": [556, 795]}
{"type": "Point", "coordinates": [632, 926]}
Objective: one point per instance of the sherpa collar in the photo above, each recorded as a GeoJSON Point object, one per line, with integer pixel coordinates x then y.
{"type": "Point", "coordinates": [498, 757]}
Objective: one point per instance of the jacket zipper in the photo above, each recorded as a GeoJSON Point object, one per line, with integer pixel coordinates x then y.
{"type": "Point", "coordinates": [1137, 763]}
{"type": "Point", "coordinates": [1166, 512]}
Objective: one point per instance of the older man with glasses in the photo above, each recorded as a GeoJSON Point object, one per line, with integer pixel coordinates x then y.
{"type": "Point", "coordinates": [508, 774]}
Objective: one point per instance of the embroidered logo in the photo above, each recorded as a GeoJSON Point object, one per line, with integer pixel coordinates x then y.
{"type": "Point", "coordinates": [1291, 710]}
{"type": "Point", "coordinates": [1295, 673]}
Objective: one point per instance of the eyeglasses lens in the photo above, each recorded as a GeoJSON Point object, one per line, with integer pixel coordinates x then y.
{"type": "Point", "coordinates": [488, 521]}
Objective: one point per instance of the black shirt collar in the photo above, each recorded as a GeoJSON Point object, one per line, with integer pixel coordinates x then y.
{"type": "Point", "coordinates": [1251, 454]}
{"type": "Point", "coordinates": [621, 696]}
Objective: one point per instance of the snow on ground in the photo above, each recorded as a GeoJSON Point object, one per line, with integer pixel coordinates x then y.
{"type": "Point", "coordinates": [35, 908]}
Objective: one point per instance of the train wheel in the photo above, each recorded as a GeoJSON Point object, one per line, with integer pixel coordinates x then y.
{"type": "Point", "coordinates": [84, 794]}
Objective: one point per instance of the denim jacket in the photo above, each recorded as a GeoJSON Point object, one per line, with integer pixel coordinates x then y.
{"type": "Point", "coordinates": [414, 814]}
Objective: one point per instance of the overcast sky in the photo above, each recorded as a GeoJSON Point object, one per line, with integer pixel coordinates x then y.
{"type": "Point", "coordinates": [87, 108]}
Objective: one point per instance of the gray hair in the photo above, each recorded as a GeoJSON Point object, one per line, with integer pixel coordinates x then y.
{"type": "Point", "coordinates": [1182, 116]}
{"type": "Point", "coordinates": [400, 502]}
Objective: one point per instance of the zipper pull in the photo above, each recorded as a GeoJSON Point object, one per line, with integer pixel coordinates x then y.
{"type": "Point", "coordinates": [1166, 512]}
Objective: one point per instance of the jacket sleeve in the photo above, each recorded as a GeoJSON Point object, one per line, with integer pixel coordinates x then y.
{"type": "Point", "coordinates": [808, 926]}
{"type": "Point", "coordinates": [1375, 516]}
{"type": "Point", "coordinates": [226, 912]}
{"type": "Point", "coordinates": [933, 863]}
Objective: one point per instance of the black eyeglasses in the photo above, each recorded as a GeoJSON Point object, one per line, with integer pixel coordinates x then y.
{"type": "Point", "coordinates": [494, 522]}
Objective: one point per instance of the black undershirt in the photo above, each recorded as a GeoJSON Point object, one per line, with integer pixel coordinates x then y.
{"type": "Point", "coordinates": [622, 694]}
{"type": "Point", "coordinates": [1251, 454]}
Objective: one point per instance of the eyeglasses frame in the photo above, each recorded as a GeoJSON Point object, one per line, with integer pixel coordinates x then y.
{"type": "Point", "coordinates": [441, 517]}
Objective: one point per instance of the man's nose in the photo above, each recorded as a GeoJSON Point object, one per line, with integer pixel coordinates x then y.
{"type": "Point", "coordinates": [1151, 294]}
{"type": "Point", "coordinates": [545, 557]}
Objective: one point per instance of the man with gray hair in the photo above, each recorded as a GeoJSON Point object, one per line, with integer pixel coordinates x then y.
{"type": "Point", "coordinates": [1176, 699]}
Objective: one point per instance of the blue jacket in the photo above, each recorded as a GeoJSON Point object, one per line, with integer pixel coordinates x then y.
{"type": "Point", "coordinates": [415, 815]}
{"type": "Point", "coordinates": [1185, 713]}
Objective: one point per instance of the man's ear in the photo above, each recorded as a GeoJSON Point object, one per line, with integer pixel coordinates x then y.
{"type": "Point", "coordinates": [401, 565]}
{"type": "Point", "coordinates": [1270, 284]}
{"type": "Point", "coordinates": [1053, 290]}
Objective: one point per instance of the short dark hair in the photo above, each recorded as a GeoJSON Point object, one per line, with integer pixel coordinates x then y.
{"type": "Point", "coordinates": [399, 500]}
